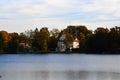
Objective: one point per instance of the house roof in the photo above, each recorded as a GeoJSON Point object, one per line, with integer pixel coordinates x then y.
{"type": "Point", "coordinates": [62, 37]}
{"type": "Point", "coordinates": [76, 40]}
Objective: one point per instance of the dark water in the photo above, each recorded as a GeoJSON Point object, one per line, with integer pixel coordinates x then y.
{"type": "Point", "coordinates": [60, 67]}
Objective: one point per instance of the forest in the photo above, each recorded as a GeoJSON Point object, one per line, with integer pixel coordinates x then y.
{"type": "Point", "coordinates": [101, 40]}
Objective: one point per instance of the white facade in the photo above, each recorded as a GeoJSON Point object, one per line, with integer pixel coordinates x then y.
{"type": "Point", "coordinates": [76, 43]}
{"type": "Point", "coordinates": [62, 47]}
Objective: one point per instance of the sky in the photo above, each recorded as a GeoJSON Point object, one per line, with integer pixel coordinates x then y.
{"type": "Point", "coordinates": [21, 15]}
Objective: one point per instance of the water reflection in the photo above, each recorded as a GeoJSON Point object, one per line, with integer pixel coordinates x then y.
{"type": "Point", "coordinates": [63, 75]}
{"type": "Point", "coordinates": [59, 67]}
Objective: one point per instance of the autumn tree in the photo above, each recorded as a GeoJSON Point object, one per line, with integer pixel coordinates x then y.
{"type": "Point", "coordinates": [83, 29]}
{"type": "Point", "coordinates": [81, 32]}
{"type": "Point", "coordinates": [82, 39]}
{"type": "Point", "coordinates": [6, 38]}
{"type": "Point", "coordinates": [72, 29]}
{"type": "Point", "coordinates": [2, 42]}
{"type": "Point", "coordinates": [68, 38]}
{"type": "Point", "coordinates": [45, 37]}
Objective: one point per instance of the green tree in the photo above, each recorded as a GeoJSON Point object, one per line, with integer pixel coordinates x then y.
{"type": "Point", "coordinates": [23, 38]}
{"type": "Point", "coordinates": [101, 39]}
{"type": "Point", "coordinates": [54, 34]}
{"type": "Point", "coordinates": [13, 43]}
{"type": "Point", "coordinates": [41, 39]}
{"type": "Point", "coordinates": [36, 44]}
{"type": "Point", "coordinates": [98, 42]}
{"type": "Point", "coordinates": [114, 38]}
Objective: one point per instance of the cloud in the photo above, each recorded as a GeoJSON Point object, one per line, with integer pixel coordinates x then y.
{"type": "Point", "coordinates": [46, 8]}
{"type": "Point", "coordinates": [102, 17]}
{"type": "Point", "coordinates": [23, 25]}
{"type": "Point", "coordinates": [103, 6]}
{"type": "Point", "coordinates": [117, 14]}
{"type": "Point", "coordinates": [52, 13]}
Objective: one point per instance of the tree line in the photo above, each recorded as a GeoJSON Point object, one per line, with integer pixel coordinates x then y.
{"type": "Point", "coordinates": [101, 40]}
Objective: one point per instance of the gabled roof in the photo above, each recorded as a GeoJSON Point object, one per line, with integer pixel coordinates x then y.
{"type": "Point", "coordinates": [76, 40]}
{"type": "Point", "coordinates": [62, 37]}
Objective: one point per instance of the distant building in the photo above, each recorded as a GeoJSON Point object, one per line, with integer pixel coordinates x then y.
{"type": "Point", "coordinates": [76, 43]}
{"type": "Point", "coordinates": [24, 47]}
{"type": "Point", "coordinates": [62, 47]}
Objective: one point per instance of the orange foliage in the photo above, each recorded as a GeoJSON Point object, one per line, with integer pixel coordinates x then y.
{"type": "Point", "coordinates": [6, 36]}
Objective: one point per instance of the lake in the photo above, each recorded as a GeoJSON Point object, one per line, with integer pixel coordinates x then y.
{"type": "Point", "coordinates": [59, 67]}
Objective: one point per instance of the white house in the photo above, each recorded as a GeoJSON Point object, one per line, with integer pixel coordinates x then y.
{"type": "Point", "coordinates": [62, 47]}
{"type": "Point", "coordinates": [76, 43]}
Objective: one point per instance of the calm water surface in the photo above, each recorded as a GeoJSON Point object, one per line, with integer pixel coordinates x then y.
{"type": "Point", "coordinates": [60, 67]}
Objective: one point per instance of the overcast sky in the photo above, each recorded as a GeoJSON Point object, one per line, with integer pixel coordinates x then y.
{"type": "Point", "coordinates": [22, 15]}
